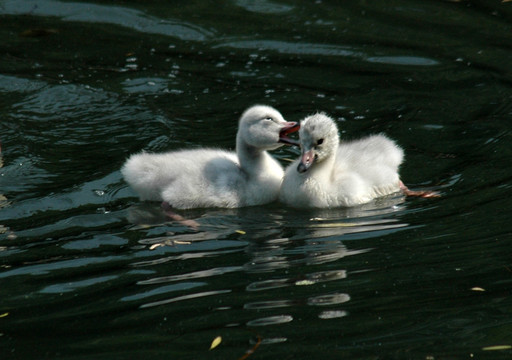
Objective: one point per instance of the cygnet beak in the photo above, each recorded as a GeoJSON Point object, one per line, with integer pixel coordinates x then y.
{"type": "Point", "coordinates": [306, 160]}
{"type": "Point", "coordinates": [288, 128]}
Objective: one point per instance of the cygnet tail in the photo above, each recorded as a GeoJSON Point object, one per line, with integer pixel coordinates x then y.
{"type": "Point", "coordinates": [145, 175]}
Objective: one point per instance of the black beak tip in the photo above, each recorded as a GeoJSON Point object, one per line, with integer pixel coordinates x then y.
{"type": "Point", "coordinates": [302, 168]}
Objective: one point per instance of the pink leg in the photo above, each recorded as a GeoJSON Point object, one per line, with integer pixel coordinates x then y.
{"type": "Point", "coordinates": [422, 193]}
{"type": "Point", "coordinates": [177, 217]}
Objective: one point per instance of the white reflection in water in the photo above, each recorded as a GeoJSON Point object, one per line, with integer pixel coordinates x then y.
{"type": "Point", "coordinates": [193, 275]}
{"type": "Point", "coordinates": [307, 279]}
{"type": "Point", "coordinates": [332, 314]}
{"type": "Point", "coordinates": [275, 340]}
{"type": "Point", "coordinates": [271, 320]}
{"type": "Point", "coordinates": [271, 304]}
{"type": "Point", "coordinates": [163, 290]}
{"type": "Point", "coordinates": [318, 237]}
{"type": "Point", "coordinates": [330, 299]}
{"type": "Point", "coordinates": [75, 285]}
{"type": "Point", "coordinates": [184, 297]}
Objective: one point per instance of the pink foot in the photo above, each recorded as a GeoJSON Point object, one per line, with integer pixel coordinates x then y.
{"type": "Point", "coordinates": [177, 217]}
{"type": "Point", "coordinates": [421, 193]}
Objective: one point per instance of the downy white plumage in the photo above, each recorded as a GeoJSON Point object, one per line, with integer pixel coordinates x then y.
{"type": "Point", "coordinates": [332, 174]}
{"type": "Point", "coordinates": [216, 178]}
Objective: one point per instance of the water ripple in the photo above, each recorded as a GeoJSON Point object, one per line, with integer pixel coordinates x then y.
{"type": "Point", "coordinates": [106, 79]}
{"type": "Point", "coordinates": [403, 60]}
{"type": "Point", "coordinates": [46, 268]}
{"type": "Point", "coordinates": [298, 48]}
{"type": "Point", "coordinates": [16, 84]}
{"type": "Point", "coordinates": [184, 297]}
{"type": "Point", "coordinates": [115, 15]}
{"type": "Point", "coordinates": [308, 279]}
{"type": "Point", "coordinates": [330, 299]}
{"type": "Point", "coordinates": [269, 284]}
{"type": "Point", "coordinates": [163, 290]}
{"type": "Point", "coordinates": [184, 256]}
{"type": "Point", "coordinates": [264, 6]}
{"type": "Point", "coordinates": [192, 275]}
{"type": "Point", "coordinates": [271, 320]}
{"type": "Point", "coordinates": [332, 314]}
{"type": "Point", "coordinates": [270, 304]}
{"type": "Point", "coordinates": [74, 285]}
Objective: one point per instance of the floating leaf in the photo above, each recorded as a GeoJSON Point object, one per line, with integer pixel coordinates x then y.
{"type": "Point", "coordinates": [178, 242]}
{"type": "Point", "coordinates": [154, 246]}
{"type": "Point", "coordinates": [476, 288]}
{"type": "Point", "coordinates": [497, 347]}
{"type": "Point", "coordinates": [4, 315]}
{"type": "Point", "coordinates": [216, 342]}
{"type": "Point", "coordinates": [240, 232]}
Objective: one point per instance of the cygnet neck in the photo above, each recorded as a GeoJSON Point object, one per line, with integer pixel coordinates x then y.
{"type": "Point", "coordinates": [252, 159]}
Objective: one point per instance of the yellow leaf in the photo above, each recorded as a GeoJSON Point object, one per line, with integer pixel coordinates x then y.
{"type": "Point", "coordinates": [4, 315]}
{"type": "Point", "coordinates": [215, 342]}
{"type": "Point", "coordinates": [497, 347]}
{"type": "Point", "coordinates": [179, 242]}
{"type": "Point", "coordinates": [477, 289]}
{"type": "Point", "coordinates": [240, 232]}
{"type": "Point", "coordinates": [154, 246]}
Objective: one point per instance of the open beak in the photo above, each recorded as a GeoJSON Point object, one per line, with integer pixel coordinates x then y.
{"type": "Point", "coordinates": [289, 127]}
{"type": "Point", "coordinates": [306, 160]}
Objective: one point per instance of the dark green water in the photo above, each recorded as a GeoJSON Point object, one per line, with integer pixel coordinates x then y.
{"type": "Point", "coordinates": [85, 84]}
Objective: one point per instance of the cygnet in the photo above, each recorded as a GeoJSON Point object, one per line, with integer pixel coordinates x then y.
{"type": "Point", "coordinates": [209, 177]}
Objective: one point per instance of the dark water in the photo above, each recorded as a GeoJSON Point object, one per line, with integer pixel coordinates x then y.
{"type": "Point", "coordinates": [85, 84]}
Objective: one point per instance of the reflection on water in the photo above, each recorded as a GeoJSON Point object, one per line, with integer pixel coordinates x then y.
{"type": "Point", "coordinates": [271, 320]}
{"type": "Point", "coordinates": [317, 241]}
{"type": "Point", "coordinates": [89, 271]}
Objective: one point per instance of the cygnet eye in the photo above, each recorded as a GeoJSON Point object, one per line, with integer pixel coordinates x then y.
{"type": "Point", "coordinates": [268, 118]}
{"type": "Point", "coordinates": [320, 141]}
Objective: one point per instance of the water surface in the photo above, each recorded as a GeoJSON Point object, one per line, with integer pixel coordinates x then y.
{"type": "Point", "coordinates": [88, 271]}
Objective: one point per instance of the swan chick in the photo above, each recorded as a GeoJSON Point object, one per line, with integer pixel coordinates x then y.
{"type": "Point", "coordinates": [331, 174]}
{"type": "Point", "coordinates": [210, 177]}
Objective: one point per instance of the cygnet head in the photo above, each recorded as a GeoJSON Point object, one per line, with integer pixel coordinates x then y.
{"type": "Point", "coordinates": [319, 140]}
{"type": "Point", "coordinates": [263, 127]}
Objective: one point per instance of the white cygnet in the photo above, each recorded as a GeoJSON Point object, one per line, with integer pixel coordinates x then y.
{"type": "Point", "coordinates": [209, 177]}
{"type": "Point", "coordinates": [331, 174]}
